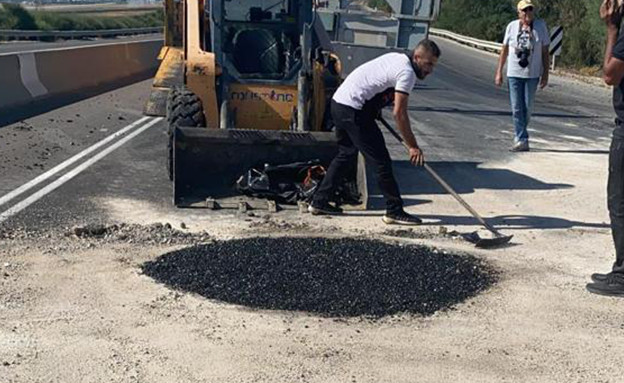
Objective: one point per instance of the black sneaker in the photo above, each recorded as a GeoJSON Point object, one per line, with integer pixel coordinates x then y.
{"type": "Point", "coordinates": [612, 286]}
{"type": "Point", "coordinates": [598, 277]}
{"type": "Point", "coordinates": [521, 146]}
{"type": "Point", "coordinates": [317, 208]}
{"type": "Point", "coordinates": [401, 218]}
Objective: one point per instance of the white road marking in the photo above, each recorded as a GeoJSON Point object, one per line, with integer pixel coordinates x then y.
{"type": "Point", "coordinates": [30, 76]}
{"type": "Point", "coordinates": [538, 140]}
{"type": "Point", "coordinates": [68, 176]}
{"type": "Point", "coordinates": [575, 138]}
{"type": "Point", "coordinates": [27, 186]}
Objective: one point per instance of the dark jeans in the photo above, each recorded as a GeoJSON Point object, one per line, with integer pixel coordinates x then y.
{"type": "Point", "coordinates": [615, 198]}
{"type": "Point", "coordinates": [357, 130]}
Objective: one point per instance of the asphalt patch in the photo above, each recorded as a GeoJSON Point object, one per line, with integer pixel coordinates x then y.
{"type": "Point", "coordinates": [329, 277]}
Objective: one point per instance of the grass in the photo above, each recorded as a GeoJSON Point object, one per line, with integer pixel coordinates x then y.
{"type": "Point", "coordinates": [15, 17]}
{"type": "Point", "coordinates": [381, 5]}
{"type": "Point", "coordinates": [583, 36]}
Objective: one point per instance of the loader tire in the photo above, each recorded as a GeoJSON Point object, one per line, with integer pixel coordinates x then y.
{"type": "Point", "coordinates": [184, 109]}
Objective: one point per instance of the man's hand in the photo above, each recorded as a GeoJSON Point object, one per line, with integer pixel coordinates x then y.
{"type": "Point", "coordinates": [417, 157]}
{"type": "Point", "coordinates": [498, 80]}
{"type": "Point", "coordinates": [544, 81]}
{"type": "Point", "coordinates": [610, 14]}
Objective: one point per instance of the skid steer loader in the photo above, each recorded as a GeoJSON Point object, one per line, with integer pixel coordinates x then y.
{"type": "Point", "coordinates": [244, 83]}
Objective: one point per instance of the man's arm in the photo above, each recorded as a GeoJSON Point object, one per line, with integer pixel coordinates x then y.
{"type": "Point", "coordinates": [502, 59]}
{"type": "Point", "coordinates": [612, 67]}
{"type": "Point", "coordinates": [403, 123]}
{"type": "Point", "coordinates": [545, 66]}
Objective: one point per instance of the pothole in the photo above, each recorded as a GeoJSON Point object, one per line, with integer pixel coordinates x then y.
{"type": "Point", "coordinates": [324, 276]}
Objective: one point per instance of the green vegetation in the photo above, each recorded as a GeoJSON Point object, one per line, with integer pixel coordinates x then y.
{"type": "Point", "coordinates": [584, 32]}
{"type": "Point", "coordinates": [13, 16]}
{"type": "Point", "coordinates": [381, 5]}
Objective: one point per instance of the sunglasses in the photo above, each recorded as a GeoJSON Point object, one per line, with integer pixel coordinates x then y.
{"type": "Point", "coordinates": [528, 9]}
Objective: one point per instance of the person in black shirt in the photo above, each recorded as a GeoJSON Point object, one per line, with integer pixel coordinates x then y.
{"type": "Point", "coordinates": [613, 68]}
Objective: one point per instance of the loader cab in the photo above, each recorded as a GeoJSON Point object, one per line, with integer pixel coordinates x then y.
{"type": "Point", "coordinates": [260, 39]}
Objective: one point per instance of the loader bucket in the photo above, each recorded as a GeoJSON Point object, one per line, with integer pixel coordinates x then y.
{"type": "Point", "coordinates": [208, 162]}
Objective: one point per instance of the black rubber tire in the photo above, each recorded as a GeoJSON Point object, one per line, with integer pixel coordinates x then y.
{"type": "Point", "coordinates": [184, 109]}
{"type": "Point", "coordinates": [263, 47]}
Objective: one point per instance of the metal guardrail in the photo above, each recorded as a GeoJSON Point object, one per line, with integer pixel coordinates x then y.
{"type": "Point", "coordinates": [8, 34]}
{"type": "Point", "coordinates": [479, 44]}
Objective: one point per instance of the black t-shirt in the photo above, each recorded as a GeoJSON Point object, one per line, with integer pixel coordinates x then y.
{"type": "Point", "coordinates": [618, 91]}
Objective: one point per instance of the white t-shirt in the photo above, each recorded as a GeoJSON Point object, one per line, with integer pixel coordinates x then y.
{"type": "Point", "coordinates": [533, 40]}
{"type": "Point", "coordinates": [392, 70]}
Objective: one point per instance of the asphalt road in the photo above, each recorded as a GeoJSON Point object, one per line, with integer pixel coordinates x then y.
{"type": "Point", "coordinates": [460, 118]}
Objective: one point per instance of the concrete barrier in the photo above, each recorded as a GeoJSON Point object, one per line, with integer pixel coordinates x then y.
{"type": "Point", "coordinates": [29, 76]}
{"type": "Point", "coordinates": [12, 89]}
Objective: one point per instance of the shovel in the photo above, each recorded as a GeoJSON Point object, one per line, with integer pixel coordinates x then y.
{"type": "Point", "coordinates": [499, 238]}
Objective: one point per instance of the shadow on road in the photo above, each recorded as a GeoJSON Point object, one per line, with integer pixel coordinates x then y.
{"type": "Point", "coordinates": [476, 112]}
{"type": "Point", "coordinates": [570, 151]}
{"type": "Point", "coordinates": [514, 222]}
{"type": "Point", "coordinates": [463, 177]}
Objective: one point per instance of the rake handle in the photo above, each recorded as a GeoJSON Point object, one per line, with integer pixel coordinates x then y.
{"type": "Point", "coordinates": [442, 183]}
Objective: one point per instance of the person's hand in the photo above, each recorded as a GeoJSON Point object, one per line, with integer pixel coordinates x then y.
{"type": "Point", "coordinates": [417, 157]}
{"type": "Point", "coordinates": [498, 80]}
{"type": "Point", "coordinates": [544, 81]}
{"type": "Point", "coordinates": [610, 13]}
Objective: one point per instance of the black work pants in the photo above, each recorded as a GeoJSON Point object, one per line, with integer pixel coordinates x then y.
{"type": "Point", "coordinates": [357, 130]}
{"type": "Point", "coordinates": [615, 199]}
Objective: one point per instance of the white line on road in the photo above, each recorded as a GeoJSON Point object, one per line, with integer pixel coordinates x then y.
{"type": "Point", "coordinates": [538, 140]}
{"type": "Point", "coordinates": [68, 162]}
{"type": "Point", "coordinates": [575, 138]}
{"type": "Point", "coordinates": [68, 176]}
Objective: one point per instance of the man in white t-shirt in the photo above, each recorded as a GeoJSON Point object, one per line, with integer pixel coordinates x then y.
{"type": "Point", "coordinates": [354, 108]}
{"type": "Point", "coordinates": [525, 49]}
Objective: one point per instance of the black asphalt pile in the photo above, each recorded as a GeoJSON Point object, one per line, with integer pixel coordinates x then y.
{"type": "Point", "coordinates": [329, 277]}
